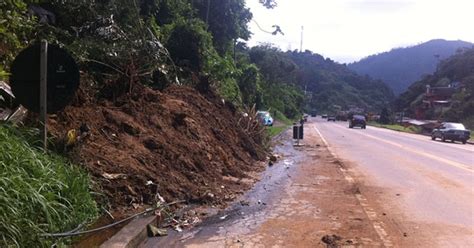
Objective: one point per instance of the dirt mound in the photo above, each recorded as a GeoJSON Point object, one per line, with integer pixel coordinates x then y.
{"type": "Point", "coordinates": [177, 144]}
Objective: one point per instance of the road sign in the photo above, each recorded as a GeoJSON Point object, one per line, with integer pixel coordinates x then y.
{"type": "Point", "coordinates": [62, 79]}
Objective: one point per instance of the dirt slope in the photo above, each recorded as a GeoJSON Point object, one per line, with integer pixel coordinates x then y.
{"type": "Point", "coordinates": [177, 144]}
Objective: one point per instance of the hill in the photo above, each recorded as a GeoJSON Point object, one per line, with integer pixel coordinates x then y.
{"type": "Point", "coordinates": [457, 72]}
{"type": "Point", "coordinates": [331, 86]}
{"type": "Point", "coordinates": [401, 67]}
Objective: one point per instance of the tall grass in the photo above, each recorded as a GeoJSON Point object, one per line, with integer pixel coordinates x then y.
{"type": "Point", "coordinates": [39, 193]}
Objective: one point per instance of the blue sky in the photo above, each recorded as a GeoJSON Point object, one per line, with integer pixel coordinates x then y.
{"type": "Point", "coordinates": [348, 30]}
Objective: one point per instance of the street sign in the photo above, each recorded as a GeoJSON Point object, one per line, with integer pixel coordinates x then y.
{"type": "Point", "coordinates": [62, 79]}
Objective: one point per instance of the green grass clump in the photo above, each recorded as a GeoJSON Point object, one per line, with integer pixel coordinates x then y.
{"type": "Point", "coordinates": [274, 131]}
{"type": "Point", "coordinates": [39, 193]}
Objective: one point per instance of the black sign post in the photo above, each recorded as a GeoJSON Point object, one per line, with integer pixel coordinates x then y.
{"type": "Point", "coordinates": [44, 79]}
{"type": "Point", "coordinates": [44, 93]}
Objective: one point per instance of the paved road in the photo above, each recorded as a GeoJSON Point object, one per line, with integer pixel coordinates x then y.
{"type": "Point", "coordinates": [428, 186]}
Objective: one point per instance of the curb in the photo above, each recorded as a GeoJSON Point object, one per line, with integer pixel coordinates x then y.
{"type": "Point", "coordinates": [132, 234]}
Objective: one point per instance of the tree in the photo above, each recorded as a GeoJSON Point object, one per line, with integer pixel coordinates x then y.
{"type": "Point", "coordinates": [384, 116]}
{"type": "Point", "coordinates": [227, 20]}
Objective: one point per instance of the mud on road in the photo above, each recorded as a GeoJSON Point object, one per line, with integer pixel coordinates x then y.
{"type": "Point", "coordinates": [307, 199]}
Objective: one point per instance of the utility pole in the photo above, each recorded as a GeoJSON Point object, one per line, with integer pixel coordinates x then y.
{"type": "Point", "coordinates": [301, 43]}
{"type": "Point", "coordinates": [207, 12]}
{"type": "Point", "coordinates": [43, 93]}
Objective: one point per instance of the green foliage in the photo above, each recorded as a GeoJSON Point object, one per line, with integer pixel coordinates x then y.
{"type": "Point", "coordinates": [384, 116]}
{"type": "Point", "coordinates": [250, 85]}
{"type": "Point", "coordinates": [227, 21]}
{"type": "Point", "coordinates": [15, 31]}
{"type": "Point", "coordinates": [457, 68]}
{"type": "Point", "coordinates": [39, 193]}
{"type": "Point", "coordinates": [400, 128]}
{"type": "Point", "coordinates": [274, 131]}
{"type": "Point", "coordinates": [329, 84]}
{"type": "Point", "coordinates": [401, 67]}
{"type": "Point", "coordinates": [191, 46]}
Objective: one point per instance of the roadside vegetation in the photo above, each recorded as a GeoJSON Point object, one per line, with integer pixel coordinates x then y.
{"type": "Point", "coordinates": [121, 45]}
{"type": "Point", "coordinates": [458, 68]}
{"type": "Point", "coordinates": [39, 193]}
{"type": "Point", "coordinates": [397, 127]}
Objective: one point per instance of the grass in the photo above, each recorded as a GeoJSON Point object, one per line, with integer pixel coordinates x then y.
{"type": "Point", "coordinates": [277, 129]}
{"type": "Point", "coordinates": [274, 131]}
{"type": "Point", "coordinates": [396, 127]}
{"type": "Point", "coordinates": [39, 193]}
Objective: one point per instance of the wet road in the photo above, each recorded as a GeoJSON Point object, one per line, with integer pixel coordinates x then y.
{"type": "Point", "coordinates": [427, 186]}
{"type": "Point", "coordinates": [372, 187]}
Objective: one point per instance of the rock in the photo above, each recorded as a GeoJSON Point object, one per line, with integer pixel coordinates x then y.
{"type": "Point", "coordinates": [331, 240]}
{"type": "Point", "coordinates": [154, 231]}
{"type": "Point", "coordinates": [273, 158]}
{"type": "Point", "coordinates": [112, 176]}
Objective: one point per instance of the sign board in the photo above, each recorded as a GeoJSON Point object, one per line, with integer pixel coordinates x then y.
{"type": "Point", "coordinates": [62, 79]}
{"type": "Point", "coordinates": [298, 132]}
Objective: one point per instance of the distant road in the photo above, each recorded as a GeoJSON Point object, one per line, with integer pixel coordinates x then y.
{"type": "Point", "coordinates": [427, 186]}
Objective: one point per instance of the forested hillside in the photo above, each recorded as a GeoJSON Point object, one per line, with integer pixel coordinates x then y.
{"type": "Point", "coordinates": [401, 67]}
{"type": "Point", "coordinates": [458, 68]}
{"type": "Point", "coordinates": [160, 42]}
{"type": "Point", "coordinates": [331, 86]}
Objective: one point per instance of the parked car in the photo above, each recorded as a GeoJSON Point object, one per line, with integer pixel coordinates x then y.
{"type": "Point", "coordinates": [332, 118]}
{"type": "Point", "coordinates": [324, 116]}
{"type": "Point", "coordinates": [451, 131]}
{"type": "Point", "coordinates": [265, 118]}
{"type": "Point", "coordinates": [357, 121]}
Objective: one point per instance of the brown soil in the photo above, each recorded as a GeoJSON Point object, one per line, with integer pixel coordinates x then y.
{"type": "Point", "coordinates": [177, 144]}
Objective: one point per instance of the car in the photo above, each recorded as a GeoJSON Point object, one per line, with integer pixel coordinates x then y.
{"type": "Point", "coordinates": [451, 131]}
{"type": "Point", "coordinates": [357, 121]}
{"type": "Point", "coordinates": [331, 118]}
{"type": "Point", "coordinates": [265, 118]}
{"type": "Point", "coordinates": [324, 116]}
{"type": "Point", "coordinates": [305, 117]}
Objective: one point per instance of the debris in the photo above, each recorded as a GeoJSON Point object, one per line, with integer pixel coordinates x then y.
{"type": "Point", "coordinates": [405, 234]}
{"type": "Point", "coordinates": [178, 229]}
{"type": "Point", "coordinates": [331, 240]}
{"type": "Point", "coordinates": [244, 203]}
{"type": "Point", "coordinates": [162, 200]}
{"type": "Point", "coordinates": [223, 217]}
{"type": "Point", "coordinates": [133, 138]}
{"type": "Point", "coordinates": [273, 158]}
{"type": "Point", "coordinates": [149, 182]}
{"type": "Point", "coordinates": [154, 231]}
{"type": "Point", "coordinates": [111, 176]}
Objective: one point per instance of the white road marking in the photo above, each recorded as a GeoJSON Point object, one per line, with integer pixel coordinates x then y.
{"type": "Point", "coordinates": [469, 148]}
{"type": "Point", "coordinates": [418, 152]}
{"type": "Point", "coordinates": [377, 224]}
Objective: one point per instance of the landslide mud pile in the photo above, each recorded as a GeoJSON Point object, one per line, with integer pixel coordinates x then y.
{"type": "Point", "coordinates": [177, 144]}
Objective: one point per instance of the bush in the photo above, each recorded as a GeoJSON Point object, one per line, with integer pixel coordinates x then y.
{"type": "Point", "coordinates": [39, 193]}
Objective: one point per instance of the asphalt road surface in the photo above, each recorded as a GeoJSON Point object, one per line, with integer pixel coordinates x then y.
{"type": "Point", "coordinates": [425, 186]}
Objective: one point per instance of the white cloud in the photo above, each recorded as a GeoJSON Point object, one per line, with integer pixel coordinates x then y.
{"type": "Point", "coordinates": [347, 30]}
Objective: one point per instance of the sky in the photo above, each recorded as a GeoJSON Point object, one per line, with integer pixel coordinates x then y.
{"type": "Point", "coordinates": [349, 30]}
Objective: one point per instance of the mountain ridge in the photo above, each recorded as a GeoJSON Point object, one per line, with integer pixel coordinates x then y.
{"type": "Point", "coordinates": [401, 67]}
